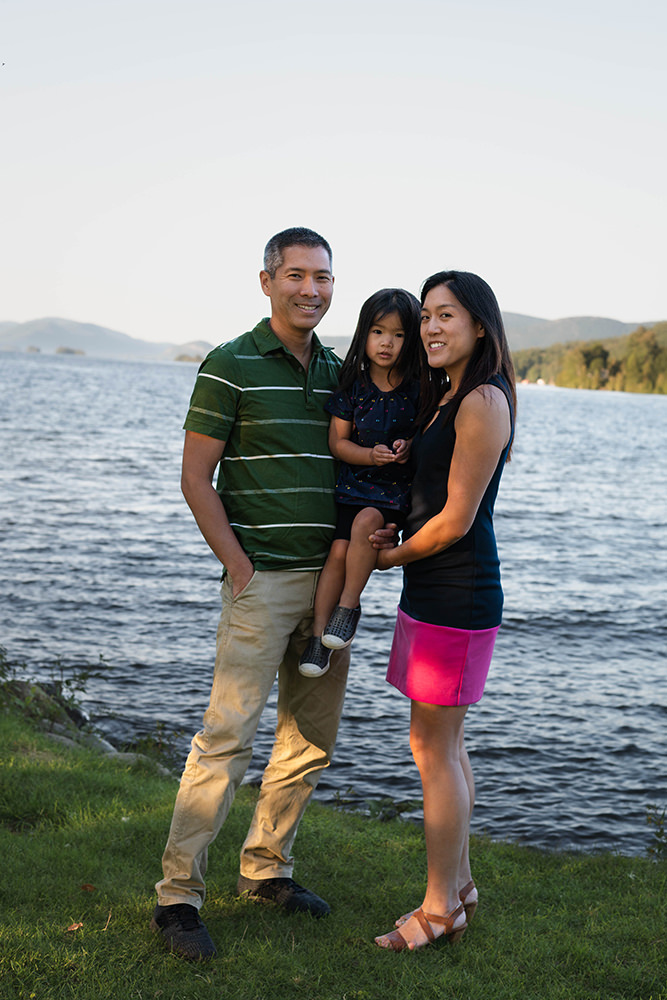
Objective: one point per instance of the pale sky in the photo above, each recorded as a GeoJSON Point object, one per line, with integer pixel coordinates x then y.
{"type": "Point", "coordinates": [149, 148]}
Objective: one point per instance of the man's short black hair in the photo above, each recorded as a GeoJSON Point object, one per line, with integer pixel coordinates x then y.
{"type": "Point", "coordinates": [297, 236]}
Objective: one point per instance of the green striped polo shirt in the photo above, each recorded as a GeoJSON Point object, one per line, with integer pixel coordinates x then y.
{"type": "Point", "coordinates": [277, 475]}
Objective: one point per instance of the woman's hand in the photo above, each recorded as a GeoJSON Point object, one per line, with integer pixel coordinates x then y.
{"type": "Point", "coordinates": [385, 541]}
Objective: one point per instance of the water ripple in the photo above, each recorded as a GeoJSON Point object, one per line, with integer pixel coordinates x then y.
{"type": "Point", "coordinates": [101, 558]}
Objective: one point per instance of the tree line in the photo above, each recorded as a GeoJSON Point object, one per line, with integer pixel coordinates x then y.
{"type": "Point", "coordinates": [634, 363]}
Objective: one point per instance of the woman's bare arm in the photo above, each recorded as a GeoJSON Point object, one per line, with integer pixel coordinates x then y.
{"type": "Point", "coordinates": [482, 431]}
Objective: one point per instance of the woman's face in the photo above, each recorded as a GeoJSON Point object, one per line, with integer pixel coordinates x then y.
{"type": "Point", "coordinates": [449, 333]}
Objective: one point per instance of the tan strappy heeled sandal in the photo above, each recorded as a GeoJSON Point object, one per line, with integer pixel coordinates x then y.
{"type": "Point", "coordinates": [453, 934]}
{"type": "Point", "coordinates": [469, 905]}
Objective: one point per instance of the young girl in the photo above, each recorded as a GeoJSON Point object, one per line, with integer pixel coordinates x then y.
{"type": "Point", "coordinates": [372, 417]}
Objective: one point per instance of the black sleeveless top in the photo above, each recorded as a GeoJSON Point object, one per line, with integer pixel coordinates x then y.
{"type": "Point", "coordinates": [460, 586]}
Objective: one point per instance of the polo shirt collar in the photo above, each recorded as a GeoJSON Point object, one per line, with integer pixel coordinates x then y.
{"type": "Point", "coordinates": [266, 341]}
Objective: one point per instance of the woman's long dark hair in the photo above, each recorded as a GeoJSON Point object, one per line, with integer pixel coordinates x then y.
{"type": "Point", "coordinates": [491, 355]}
{"type": "Point", "coordinates": [382, 303]}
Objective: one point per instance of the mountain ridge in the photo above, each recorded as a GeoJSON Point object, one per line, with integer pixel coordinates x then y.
{"type": "Point", "coordinates": [55, 334]}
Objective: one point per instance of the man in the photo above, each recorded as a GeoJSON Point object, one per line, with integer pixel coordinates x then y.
{"type": "Point", "coordinates": [257, 412]}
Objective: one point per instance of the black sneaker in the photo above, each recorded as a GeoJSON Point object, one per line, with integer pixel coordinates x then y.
{"type": "Point", "coordinates": [183, 931]}
{"type": "Point", "coordinates": [341, 627]}
{"type": "Point", "coordinates": [284, 892]}
{"type": "Point", "coordinates": [315, 658]}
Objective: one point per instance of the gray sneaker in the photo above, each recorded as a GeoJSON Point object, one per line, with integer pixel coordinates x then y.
{"type": "Point", "coordinates": [341, 627]}
{"type": "Point", "coordinates": [314, 660]}
{"type": "Point", "coordinates": [183, 931]}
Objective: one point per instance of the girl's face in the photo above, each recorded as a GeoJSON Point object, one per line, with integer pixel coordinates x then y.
{"type": "Point", "coordinates": [449, 333]}
{"type": "Point", "coordinates": [385, 341]}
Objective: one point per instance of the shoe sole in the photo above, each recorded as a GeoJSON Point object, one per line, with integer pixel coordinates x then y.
{"type": "Point", "coordinates": [333, 642]}
{"type": "Point", "coordinates": [316, 672]}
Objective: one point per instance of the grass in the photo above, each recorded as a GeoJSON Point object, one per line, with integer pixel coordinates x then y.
{"type": "Point", "coordinates": [80, 842]}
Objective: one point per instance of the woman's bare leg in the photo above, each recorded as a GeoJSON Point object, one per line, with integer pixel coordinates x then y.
{"type": "Point", "coordinates": [436, 734]}
{"type": "Point", "coordinates": [436, 739]}
{"type": "Point", "coordinates": [464, 868]}
{"type": "Point", "coordinates": [361, 557]}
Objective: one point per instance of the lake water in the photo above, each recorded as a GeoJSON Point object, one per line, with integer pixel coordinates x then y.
{"type": "Point", "coordinates": [102, 558]}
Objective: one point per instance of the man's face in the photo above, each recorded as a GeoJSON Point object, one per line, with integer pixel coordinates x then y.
{"type": "Point", "coordinates": [301, 290]}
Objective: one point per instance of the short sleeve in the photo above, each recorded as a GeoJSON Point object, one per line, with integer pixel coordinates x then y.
{"type": "Point", "coordinates": [215, 397]}
{"type": "Point", "coordinates": [341, 404]}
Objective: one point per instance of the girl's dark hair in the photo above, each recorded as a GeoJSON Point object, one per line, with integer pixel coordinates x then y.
{"type": "Point", "coordinates": [382, 303]}
{"type": "Point", "coordinates": [491, 355]}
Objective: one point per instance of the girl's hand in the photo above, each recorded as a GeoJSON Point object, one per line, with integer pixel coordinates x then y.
{"type": "Point", "coordinates": [401, 449]}
{"type": "Point", "coordinates": [381, 455]}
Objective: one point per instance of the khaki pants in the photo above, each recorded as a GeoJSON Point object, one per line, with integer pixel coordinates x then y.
{"type": "Point", "coordinates": [261, 632]}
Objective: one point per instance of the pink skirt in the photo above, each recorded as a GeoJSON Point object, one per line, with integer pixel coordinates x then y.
{"type": "Point", "coordinates": [437, 664]}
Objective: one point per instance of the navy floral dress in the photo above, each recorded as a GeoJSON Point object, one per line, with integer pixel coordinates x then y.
{"type": "Point", "coordinates": [377, 417]}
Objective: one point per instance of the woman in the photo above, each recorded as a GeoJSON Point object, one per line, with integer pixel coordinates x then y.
{"type": "Point", "coordinates": [451, 605]}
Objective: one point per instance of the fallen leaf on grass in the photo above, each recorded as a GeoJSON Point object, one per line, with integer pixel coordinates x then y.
{"type": "Point", "coordinates": [75, 927]}
{"type": "Point", "coordinates": [87, 887]}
